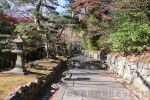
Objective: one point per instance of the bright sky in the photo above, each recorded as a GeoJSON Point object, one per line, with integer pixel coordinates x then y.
{"type": "Point", "coordinates": [61, 8]}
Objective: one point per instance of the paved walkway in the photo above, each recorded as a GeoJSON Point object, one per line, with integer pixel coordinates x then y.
{"type": "Point", "coordinates": [89, 81]}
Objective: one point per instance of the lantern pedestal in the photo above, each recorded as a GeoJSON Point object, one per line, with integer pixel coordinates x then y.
{"type": "Point", "coordinates": [19, 68]}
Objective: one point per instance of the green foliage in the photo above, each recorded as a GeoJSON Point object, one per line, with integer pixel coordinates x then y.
{"type": "Point", "coordinates": [95, 30]}
{"type": "Point", "coordinates": [92, 21]}
{"type": "Point", "coordinates": [4, 5]}
{"type": "Point", "coordinates": [90, 43]}
{"type": "Point", "coordinates": [93, 43]}
{"type": "Point", "coordinates": [85, 40]}
{"type": "Point", "coordinates": [96, 43]}
{"type": "Point", "coordinates": [5, 37]}
{"type": "Point", "coordinates": [102, 42]}
{"type": "Point", "coordinates": [130, 32]}
{"type": "Point", "coordinates": [30, 34]}
{"type": "Point", "coordinates": [129, 29]}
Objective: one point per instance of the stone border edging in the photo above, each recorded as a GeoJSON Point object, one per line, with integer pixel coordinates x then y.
{"type": "Point", "coordinates": [32, 89]}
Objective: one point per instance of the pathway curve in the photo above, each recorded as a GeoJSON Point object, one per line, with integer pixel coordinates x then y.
{"type": "Point", "coordinates": [88, 80]}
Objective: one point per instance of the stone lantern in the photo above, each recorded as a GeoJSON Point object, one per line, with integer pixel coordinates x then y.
{"type": "Point", "coordinates": [19, 67]}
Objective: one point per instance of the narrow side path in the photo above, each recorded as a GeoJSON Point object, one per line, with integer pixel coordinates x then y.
{"type": "Point", "coordinates": [88, 80]}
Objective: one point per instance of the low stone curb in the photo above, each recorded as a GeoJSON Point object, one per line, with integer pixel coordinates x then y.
{"type": "Point", "coordinates": [32, 89]}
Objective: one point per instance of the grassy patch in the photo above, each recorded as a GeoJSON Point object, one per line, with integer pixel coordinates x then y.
{"type": "Point", "coordinates": [10, 83]}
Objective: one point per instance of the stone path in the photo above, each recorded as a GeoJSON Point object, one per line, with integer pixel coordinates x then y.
{"type": "Point", "coordinates": [88, 80]}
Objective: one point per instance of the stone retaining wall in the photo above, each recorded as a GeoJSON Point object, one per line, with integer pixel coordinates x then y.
{"type": "Point", "coordinates": [94, 54]}
{"type": "Point", "coordinates": [136, 73]}
{"type": "Point", "coordinates": [32, 89]}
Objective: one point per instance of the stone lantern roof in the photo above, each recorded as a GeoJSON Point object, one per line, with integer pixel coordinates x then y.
{"type": "Point", "coordinates": [19, 45]}
{"type": "Point", "coordinates": [18, 40]}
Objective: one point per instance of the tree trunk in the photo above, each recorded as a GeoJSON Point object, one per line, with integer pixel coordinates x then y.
{"type": "Point", "coordinates": [46, 46]}
{"type": "Point", "coordinates": [36, 16]}
{"type": "Point", "coordinates": [37, 21]}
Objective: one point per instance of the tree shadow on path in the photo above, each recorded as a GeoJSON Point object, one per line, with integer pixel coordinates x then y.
{"type": "Point", "coordinates": [89, 64]}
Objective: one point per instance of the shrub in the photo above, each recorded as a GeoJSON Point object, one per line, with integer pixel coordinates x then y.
{"type": "Point", "coordinates": [131, 31]}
